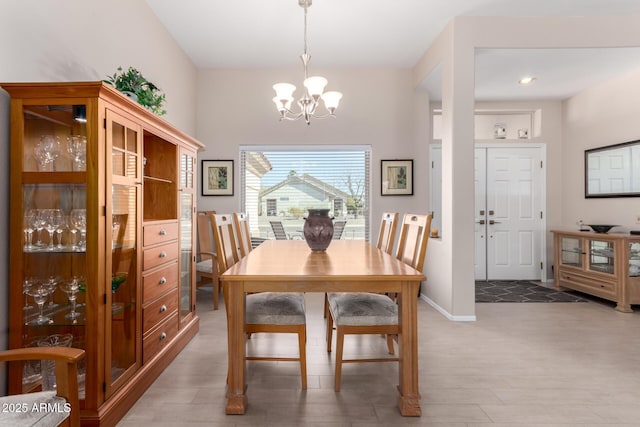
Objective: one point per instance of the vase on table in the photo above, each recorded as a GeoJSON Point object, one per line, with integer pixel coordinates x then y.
{"type": "Point", "coordinates": [318, 229]}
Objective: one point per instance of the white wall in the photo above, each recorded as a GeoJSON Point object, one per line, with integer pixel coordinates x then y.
{"type": "Point", "coordinates": [603, 115]}
{"type": "Point", "coordinates": [80, 40]}
{"type": "Point", "coordinates": [235, 108]}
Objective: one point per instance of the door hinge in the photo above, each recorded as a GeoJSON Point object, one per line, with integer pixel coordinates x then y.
{"type": "Point", "coordinates": [432, 164]}
{"type": "Point", "coordinates": [105, 298]}
{"type": "Point", "coordinates": [104, 211]}
{"type": "Point", "coordinates": [541, 164]}
{"type": "Point", "coordinates": [105, 123]}
{"type": "Point", "coordinates": [540, 214]}
{"type": "Point", "coordinates": [104, 387]}
{"type": "Point", "coordinates": [541, 266]}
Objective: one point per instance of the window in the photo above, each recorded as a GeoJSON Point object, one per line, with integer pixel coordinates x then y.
{"type": "Point", "coordinates": [282, 183]}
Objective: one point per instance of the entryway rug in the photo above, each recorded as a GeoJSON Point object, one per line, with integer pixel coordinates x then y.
{"type": "Point", "coordinates": [520, 291]}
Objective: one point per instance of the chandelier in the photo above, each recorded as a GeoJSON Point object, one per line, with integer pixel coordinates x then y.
{"type": "Point", "coordinates": [313, 92]}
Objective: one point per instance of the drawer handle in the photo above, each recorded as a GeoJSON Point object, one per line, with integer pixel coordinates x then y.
{"type": "Point", "coordinates": [163, 280]}
{"type": "Point", "coordinates": [163, 254]}
{"type": "Point", "coordinates": [163, 309]}
{"type": "Point", "coordinates": [163, 232]}
{"type": "Point", "coordinates": [163, 336]}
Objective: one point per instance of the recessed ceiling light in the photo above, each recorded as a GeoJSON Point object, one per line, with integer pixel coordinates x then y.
{"type": "Point", "coordinates": [526, 80]}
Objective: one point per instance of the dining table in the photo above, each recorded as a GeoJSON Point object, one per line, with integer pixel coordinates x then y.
{"type": "Point", "coordinates": [345, 266]}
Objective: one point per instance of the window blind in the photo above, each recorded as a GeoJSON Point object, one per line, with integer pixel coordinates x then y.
{"type": "Point", "coordinates": [282, 183]}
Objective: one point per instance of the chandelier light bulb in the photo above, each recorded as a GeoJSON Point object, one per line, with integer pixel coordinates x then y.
{"type": "Point", "coordinates": [315, 85]}
{"type": "Point", "coordinates": [331, 100]}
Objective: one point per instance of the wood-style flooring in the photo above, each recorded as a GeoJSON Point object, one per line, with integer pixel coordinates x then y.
{"type": "Point", "coordinates": [519, 364]}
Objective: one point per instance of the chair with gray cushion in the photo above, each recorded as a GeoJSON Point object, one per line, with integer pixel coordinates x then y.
{"type": "Point", "coordinates": [371, 313]}
{"type": "Point", "coordinates": [272, 312]}
{"type": "Point", "coordinates": [63, 400]}
{"type": "Point", "coordinates": [207, 262]}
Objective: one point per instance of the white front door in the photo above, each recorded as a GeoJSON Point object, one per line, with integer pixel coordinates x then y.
{"type": "Point", "coordinates": [508, 213]}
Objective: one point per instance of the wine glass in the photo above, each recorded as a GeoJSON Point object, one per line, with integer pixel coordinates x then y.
{"type": "Point", "coordinates": [26, 285]}
{"type": "Point", "coordinates": [52, 220]}
{"type": "Point", "coordinates": [71, 288]}
{"type": "Point", "coordinates": [63, 224]}
{"type": "Point", "coordinates": [46, 151]}
{"type": "Point", "coordinates": [77, 148]}
{"type": "Point", "coordinates": [28, 227]}
{"type": "Point", "coordinates": [38, 223]}
{"type": "Point", "coordinates": [79, 221]}
{"type": "Point", "coordinates": [40, 292]}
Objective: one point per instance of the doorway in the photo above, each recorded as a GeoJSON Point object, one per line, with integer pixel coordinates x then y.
{"type": "Point", "coordinates": [509, 213]}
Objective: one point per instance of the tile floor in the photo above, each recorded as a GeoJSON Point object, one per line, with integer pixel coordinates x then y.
{"type": "Point", "coordinates": [524, 365]}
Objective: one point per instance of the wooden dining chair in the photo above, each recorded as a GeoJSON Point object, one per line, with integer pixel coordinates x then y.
{"type": "Point", "coordinates": [271, 312]}
{"type": "Point", "coordinates": [207, 261]}
{"type": "Point", "coordinates": [66, 360]}
{"type": "Point", "coordinates": [387, 234]}
{"type": "Point", "coordinates": [371, 313]}
{"type": "Point", "coordinates": [243, 234]}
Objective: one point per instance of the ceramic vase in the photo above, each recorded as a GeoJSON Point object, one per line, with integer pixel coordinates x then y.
{"type": "Point", "coordinates": [318, 229]}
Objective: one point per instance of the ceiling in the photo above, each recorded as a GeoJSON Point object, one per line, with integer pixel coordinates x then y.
{"type": "Point", "coordinates": [391, 33]}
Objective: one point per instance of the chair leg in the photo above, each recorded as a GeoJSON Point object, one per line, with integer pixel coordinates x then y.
{"type": "Point", "coordinates": [216, 295]}
{"type": "Point", "coordinates": [339, 348]}
{"type": "Point", "coordinates": [302, 346]}
{"type": "Point", "coordinates": [390, 343]}
{"type": "Point", "coordinates": [326, 305]}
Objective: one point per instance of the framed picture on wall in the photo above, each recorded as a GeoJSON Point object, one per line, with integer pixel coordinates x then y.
{"type": "Point", "coordinates": [217, 177]}
{"type": "Point", "coordinates": [396, 177]}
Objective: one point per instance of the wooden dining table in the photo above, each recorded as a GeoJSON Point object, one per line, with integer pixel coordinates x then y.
{"type": "Point", "coordinates": [346, 266]}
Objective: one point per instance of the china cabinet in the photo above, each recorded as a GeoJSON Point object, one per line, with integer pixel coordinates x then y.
{"type": "Point", "coordinates": [604, 265]}
{"type": "Point", "coordinates": [101, 241]}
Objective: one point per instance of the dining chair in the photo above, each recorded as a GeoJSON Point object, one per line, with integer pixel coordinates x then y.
{"type": "Point", "coordinates": [243, 234]}
{"type": "Point", "coordinates": [66, 362]}
{"type": "Point", "coordinates": [278, 230]}
{"type": "Point", "coordinates": [387, 234]}
{"type": "Point", "coordinates": [207, 262]}
{"type": "Point", "coordinates": [271, 312]}
{"type": "Point", "coordinates": [338, 229]}
{"type": "Point", "coordinates": [372, 313]}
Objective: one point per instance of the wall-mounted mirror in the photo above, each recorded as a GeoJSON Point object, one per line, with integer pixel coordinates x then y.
{"type": "Point", "coordinates": [613, 171]}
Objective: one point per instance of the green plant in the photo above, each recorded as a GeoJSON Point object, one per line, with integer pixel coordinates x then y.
{"type": "Point", "coordinates": [134, 84]}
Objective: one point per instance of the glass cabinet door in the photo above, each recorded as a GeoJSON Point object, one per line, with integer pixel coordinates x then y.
{"type": "Point", "coordinates": [601, 256]}
{"type": "Point", "coordinates": [54, 223]}
{"type": "Point", "coordinates": [571, 252]}
{"type": "Point", "coordinates": [187, 232]}
{"type": "Point", "coordinates": [123, 231]}
{"type": "Point", "coordinates": [634, 258]}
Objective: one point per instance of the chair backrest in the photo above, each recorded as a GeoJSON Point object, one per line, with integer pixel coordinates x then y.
{"type": "Point", "coordinates": [224, 238]}
{"type": "Point", "coordinates": [278, 230]}
{"type": "Point", "coordinates": [243, 236]}
{"type": "Point", "coordinates": [338, 229]}
{"type": "Point", "coordinates": [414, 235]}
{"type": "Point", "coordinates": [205, 231]}
{"type": "Point", "coordinates": [387, 233]}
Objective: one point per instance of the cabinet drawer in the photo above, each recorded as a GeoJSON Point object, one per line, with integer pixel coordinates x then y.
{"type": "Point", "coordinates": [158, 233]}
{"type": "Point", "coordinates": [160, 281]}
{"type": "Point", "coordinates": [159, 338]}
{"type": "Point", "coordinates": [157, 255]}
{"type": "Point", "coordinates": [589, 285]}
{"type": "Point", "coordinates": [159, 310]}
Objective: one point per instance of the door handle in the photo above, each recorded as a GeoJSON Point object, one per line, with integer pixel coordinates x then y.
{"type": "Point", "coordinates": [491, 222]}
{"type": "Point", "coordinates": [481, 222]}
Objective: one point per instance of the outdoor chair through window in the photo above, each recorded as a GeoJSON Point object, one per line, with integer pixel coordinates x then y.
{"type": "Point", "coordinates": [338, 229]}
{"type": "Point", "coordinates": [278, 230]}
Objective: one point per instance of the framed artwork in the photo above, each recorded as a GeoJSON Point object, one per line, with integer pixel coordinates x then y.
{"type": "Point", "coordinates": [217, 177]}
{"type": "Point", "coordinates": [397, 177]}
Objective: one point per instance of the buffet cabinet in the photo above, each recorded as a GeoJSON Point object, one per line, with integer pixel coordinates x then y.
{"type": "Point", "coordinates": [603, 265]}
{"type": "Point", "coordinates": [102, 236]}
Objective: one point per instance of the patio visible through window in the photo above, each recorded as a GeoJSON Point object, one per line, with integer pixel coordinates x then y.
{"type": "Point", "coordinates": [279, 185]}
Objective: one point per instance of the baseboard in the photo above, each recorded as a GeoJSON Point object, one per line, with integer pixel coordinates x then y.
{"type": "Point", "coordinates": [445, 313]}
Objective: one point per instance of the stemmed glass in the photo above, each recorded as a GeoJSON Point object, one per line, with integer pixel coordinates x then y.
{"type": "Point", "coordinates": [79, 221]}
{"type": "Point", "coordinates": [46, 151]}
{"type": "Point", "coordinates": [71, 288]}
{"type": "Point", "coordinates": [40, 292]}
{"type": "Point", "coordinates": [37, 221]}
{"type": "Point", "coordinates": [63, 224]}
{"type": "Point", "coordinates": [26, 285]}
{"type": "Point", "coordinates": [77, 147]}
{"type": "Point", "coordinates": [28, 227]}
{"type": "Point", "coordinates": [52, 220]}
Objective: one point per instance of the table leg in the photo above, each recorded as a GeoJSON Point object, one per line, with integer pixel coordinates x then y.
{"type": "Point", "coordinates": [236, 397]}
{"type": "Point", "coordinates": [409, 399]}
